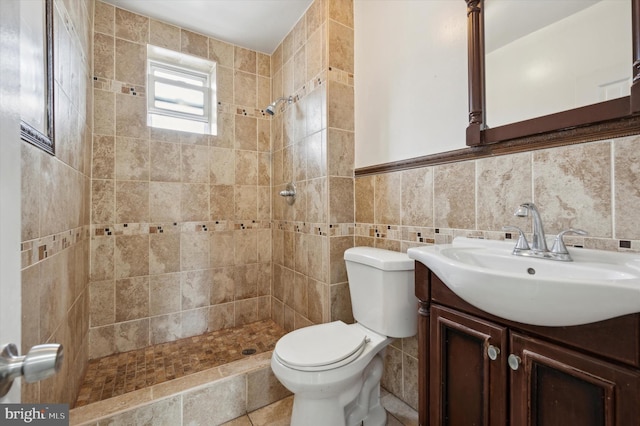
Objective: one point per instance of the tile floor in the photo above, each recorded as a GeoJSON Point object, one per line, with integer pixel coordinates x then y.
{"type": "Point", "coordinates": [279, 413]}
{"type": "Point", "coordinates": [129, 371]}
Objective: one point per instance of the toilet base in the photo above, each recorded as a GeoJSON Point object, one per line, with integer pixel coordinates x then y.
{"type": "Point", "coordinates": [360, 404]}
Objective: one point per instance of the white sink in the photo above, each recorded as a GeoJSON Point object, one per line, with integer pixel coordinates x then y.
{"type": "Point", "coordinates": [596, 286]}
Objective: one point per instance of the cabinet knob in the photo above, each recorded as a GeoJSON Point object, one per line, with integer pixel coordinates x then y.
{"type": "Point", "coordinates": [514, 361]}
{"type": "Point", "coordinates": [493, 352]}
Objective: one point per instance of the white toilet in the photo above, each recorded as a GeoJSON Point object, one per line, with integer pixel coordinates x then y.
{"type": "Point", "coordinates": [334, 369]}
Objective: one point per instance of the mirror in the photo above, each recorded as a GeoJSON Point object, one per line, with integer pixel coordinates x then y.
{"type": "Point", "coordinates": [36, 74]}
{"type": "Point", "coordinates": [609, 112]}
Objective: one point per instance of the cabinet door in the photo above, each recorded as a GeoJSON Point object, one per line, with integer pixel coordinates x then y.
{"type": "Point", "coordinates": [553, 386]}
{"type": "Point", "coordinates": [467, 387]}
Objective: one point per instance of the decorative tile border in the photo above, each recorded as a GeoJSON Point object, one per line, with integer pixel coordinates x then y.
{"type": "Point", "coordinates": [34, 251]}
{"type": "Point", "coordinates": [429, 235]}
{"type": "Point", "coordinates": [105, 230]}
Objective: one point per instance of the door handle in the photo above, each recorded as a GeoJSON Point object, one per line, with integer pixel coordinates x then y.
{"type": "Point", "coordinates": [40, 362]}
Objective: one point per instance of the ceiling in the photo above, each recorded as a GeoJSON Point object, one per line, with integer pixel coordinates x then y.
{"type": "Point", "coordinates": [253, 24]}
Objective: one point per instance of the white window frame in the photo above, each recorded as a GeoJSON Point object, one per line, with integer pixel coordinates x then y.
{"type": "Point", "coordinates": [186, 67]}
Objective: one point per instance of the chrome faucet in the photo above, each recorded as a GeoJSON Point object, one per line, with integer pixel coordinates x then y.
{"type": "Point", "coordinates": [538, 246]}
{"type": "Point", "coordinates": [538, 242]}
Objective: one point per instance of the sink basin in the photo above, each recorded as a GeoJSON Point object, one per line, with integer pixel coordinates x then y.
{"type": "Point", "coordinates": [596, 286]}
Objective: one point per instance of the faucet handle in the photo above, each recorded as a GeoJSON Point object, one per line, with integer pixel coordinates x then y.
{"type": "Point", "coordinates": [522, 243]}
{"type": "Point", "coordinates": [558, 245]}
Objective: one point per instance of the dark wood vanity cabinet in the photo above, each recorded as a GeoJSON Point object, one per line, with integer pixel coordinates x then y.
{"type": "Point", "coordinates": [478, 369]}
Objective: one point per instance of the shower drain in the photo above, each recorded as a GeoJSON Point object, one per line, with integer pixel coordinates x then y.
{"type": "Point", "coordinates": [249, 351]}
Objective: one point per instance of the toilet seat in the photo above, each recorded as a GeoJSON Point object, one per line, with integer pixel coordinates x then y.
{"type": "Point", "coordinates": [321, 347]}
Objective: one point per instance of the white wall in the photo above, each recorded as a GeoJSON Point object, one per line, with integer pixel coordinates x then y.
{"type": "Point", "coordinates": [410, 78]}
{"type": "Point", "coordinates": [562, 66]}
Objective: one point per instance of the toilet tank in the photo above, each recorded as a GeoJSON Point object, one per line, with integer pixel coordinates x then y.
{"type": "Point", "coordinates": [381, 283]}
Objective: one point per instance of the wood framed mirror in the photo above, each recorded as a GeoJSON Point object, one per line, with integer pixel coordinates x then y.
{"type": "Point", "coordinates": [613, 118]}
{"type": "Point", "coordinates": [36, 77]}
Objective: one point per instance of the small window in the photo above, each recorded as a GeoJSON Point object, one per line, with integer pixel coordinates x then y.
{"type": "Point", "coordinates": [180, 92]}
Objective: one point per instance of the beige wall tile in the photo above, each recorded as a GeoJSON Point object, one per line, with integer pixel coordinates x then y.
{"type": "Point", "coordinates": [503, 184]}
{"type": "Point", "coordinates": [102, 341]}
{"type": "Point", "coordinates": [196, 286]}
{"type": "Point", "coordinates": [341, 11]}
{"type": "Point", "coordinates": [245, 60]}
{"type": "Point", "coordinates": [105, 122]}
{"type": "Point", "coordinates": [454, 195]}
{"type": "Point", "coordinates": [221, 52]}
{"type": "Point", "coordinates": [164, 162]}
{"type": "Point", "coordinates": [246, 202]}
{"type": "Point", "coordinates": [163, 202]}
{"type": "Point", "coordinates": [245, 246]}
{"type": "Point", "coordinates": [337, 247]}
{"type": "Point", "coordinates": [222, 249]}
{"type": "Point", "coordinates": [195, 164]}
{"type": "Point", "coordinates": [132, 298]}
{"type": "Point", "coordinates": [103, 157]}
{"type": "Point", "coordinates": [340, 106]}
{"type": "Point", "coordinates": [340, 152]}
{"type": "Point", "coordinates": [245, 89]}
{"type": "Point", "coordinates": [164, 35]}
{"type": "Point", "coordinates": [164, 295]}
{"type": "Point", "coordinates": [246, 311]}
{"type": "Point", "coordinates": [194, 44]}
{"type": "Point", "coordinates": [245, 281]}
{"type": "Point", "coordinates": [132, 159]}
{"type": "Point", "coordinates": [131, 26]}
{"type": "Point", "coordinates": [221, 316]}
{"type": "Point", "coordinates": [246, 132]}
{"type": "Point", "coordinates": [341, 200]}
{"type": "Point", "coordinates": [30, 190]}
{"type": "Point", "coordinates": [299, 68]}
{"type": "Point", "coordinates": [246, 163]}
{"type": "Point", "coordinates": [132, 335]}
{"type": "Point", "coordinates": [263, 388]}
{"type": "Point", "coordinates": [104, 18]}
{"type": "Point", "coordinates": [387, 198]}
{"type": "Point", "coordinates": [222, 166]}
{"type": "Point", "coordinates": [627, 190]}
{"type": "Point", "coordinates": [102, 258]}
{"type": "Point", "coordinates": [103, 56]}
{"type": "Point", "coordinates": [131, 116]}
{"type": "Point", "coordinates": [341, 47]}
{"type": "Point", "coordinates": [316, 204]}
{"type": "Point", "coordinates": [264, 91]}
{"type": "Point", "coordinates": [194, 250]}
{"type": "Point", "coordinates": [102, 303]}
{"type": "Point", "coordinates": [132, 202]}
{"type": "Point", "coordinates": [222, 285]}
{"type": "Point", "coordinates": [230, 394]}
{"type": "Point", "coordinates": [221, 205]}
{"type": "Point", "coordinates": [224, 89]}
{"type": "Point", "coordinates": [364, 199]}
{"type": "Point", "coordinates": [103, 202]}
{"type": "Point", "coordinates": [572, 188]}
{"type": "Point", "coordinates": [417, 197]}
{"type": "Point", "coordinates": [130, 62]}
{"type": "Point", "coordinates": [341, 303]}
{"type": "Point", "coordinates": [263, 64]}
{"type": "Point", "coordinates": [195, 322]}
{"type": "Point", "coordinates": [164, 253]}
{"type": "Point", "coordinates": [194, 202]}
{"type": "Point", "coordinates": [131, 256]}
{"type": "Point", "coordinates": [315, 53]}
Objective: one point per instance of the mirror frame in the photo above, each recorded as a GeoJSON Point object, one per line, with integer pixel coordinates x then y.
{"type": "Point", "coordinates": [614, 118]}
{"type": "Point", "coordinates": [44, 141]}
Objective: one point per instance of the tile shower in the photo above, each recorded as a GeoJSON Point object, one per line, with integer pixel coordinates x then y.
{"type": "Point", "coordinates": [125, 243]}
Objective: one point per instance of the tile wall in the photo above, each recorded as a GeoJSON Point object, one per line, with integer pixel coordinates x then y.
{"type": "Point", "coordinates": [55, 213]}
{"type": "Point", "coordinates": [592, 186]}
{"type": "Point", "coordinates": [313, 146]}
{"type": "Point", "coordinates": [180, 224]}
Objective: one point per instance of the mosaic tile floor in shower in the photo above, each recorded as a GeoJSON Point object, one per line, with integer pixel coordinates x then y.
{"type": "Point", "coordinates": [128, 371]}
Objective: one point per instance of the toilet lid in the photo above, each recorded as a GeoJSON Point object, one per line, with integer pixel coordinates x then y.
{"type": "Point", "coordinates": [320, 345]}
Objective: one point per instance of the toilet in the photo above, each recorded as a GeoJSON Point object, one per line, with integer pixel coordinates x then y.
{"type": "Point", "coordinates": [334, 369]}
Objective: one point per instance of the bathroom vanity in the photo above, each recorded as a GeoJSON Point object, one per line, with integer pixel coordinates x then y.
{"type": "Point", "coordinates": [479, 369]}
